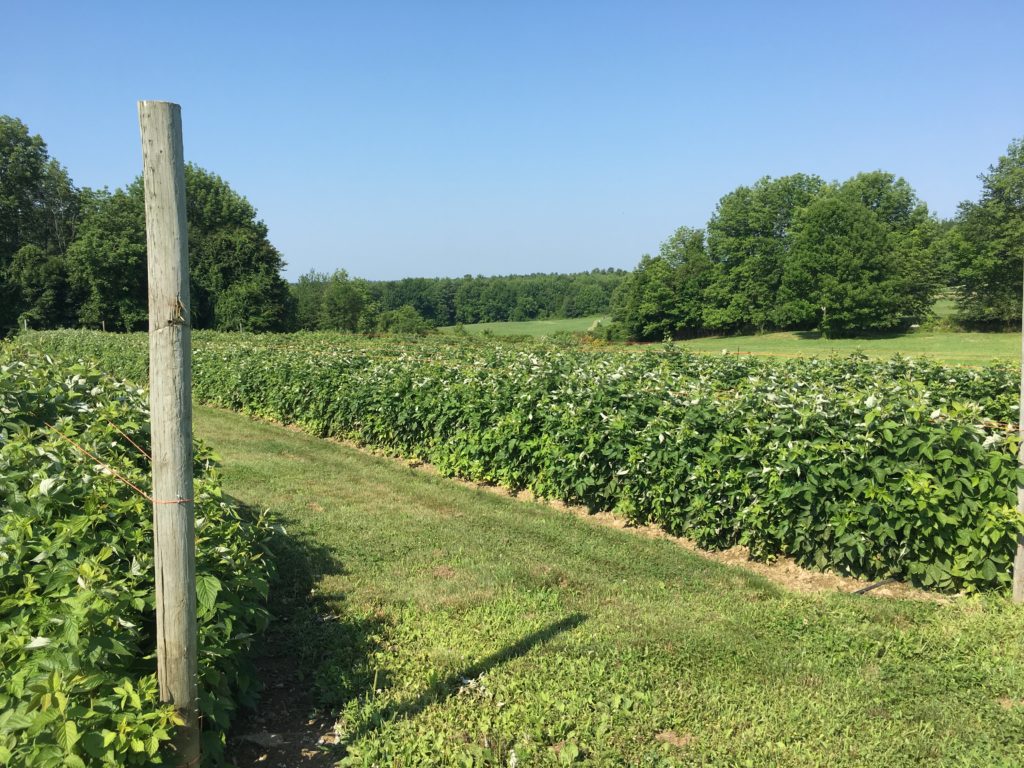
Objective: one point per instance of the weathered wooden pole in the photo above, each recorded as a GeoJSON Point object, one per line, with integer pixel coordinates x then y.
{"type": "Point", "coordinates": [170, 398]}
{"type": "Point", "coordinates": [1018, 561]}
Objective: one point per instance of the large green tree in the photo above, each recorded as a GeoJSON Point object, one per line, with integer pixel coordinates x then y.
{"type": "Point", "coordinates": [23, 164]}
{"type": "Point", "coordinates": [860, 259]}
{"type": "Point", "coordinates": [39, 207]}
{"type": "Point", "coordinates": [258, 302]}
{"type": "Point", "coordinates": [107, 262]}
{"type": "Point", "coordinates": [346, 305]}
{"type": "Point", "coordinates": [39, 282]}
{"type": "Point", "coordinates": [911, 235]}
{"type": "Point", "coordinates": [229, 250]}
{"type": "Point", "coordinates": [986, 246]}
{"type": "Point", "coordinates": [843, 273]}
{"type": "Point", "coordinates": [231, 259]}
{"type": "Point", "coordinates": [307, 298]}
{"type": "Point", "coordinates": [748, 238]}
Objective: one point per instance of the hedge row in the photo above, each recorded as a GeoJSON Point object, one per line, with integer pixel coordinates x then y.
{"type": "Point", "coordinates": [77, 595]}
{"type": "Point", "coordinates": [872, 469]}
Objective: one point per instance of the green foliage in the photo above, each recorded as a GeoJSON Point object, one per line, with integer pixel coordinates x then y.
{"type": "Point", "coordinates": [107, 261]}
{"type": "Point", "coordinates": [986, 246]}
{"type": "Point", "coordinates": [344, 304]}
{"type": "Point", "coordinates": [70, 256]}
{"type": "Point", "coordinates": [841, 274]}
{"type": "Point", "coordinates": [874, 469]}
{"type": "Point", "coordinates": [404, 320]}
{"type": "Point", "coordinates": [41, 282]}
{"type": "Point", "coordinates": [447, 301]}
{"type": "Point", "coordinates": [747, 239]}
{"type": "Point", "coordinates": [258, 302]}
{"type": "Point", "coordinates": [228, 247]}
{"type": "Point", "coordinates": [77, 668]}
{"type": "Point", "coordinates": [38, 209]}
{"type": "Point", "coordinates": [792, 253]}
{"type": "Point", "coordinates": [664, 296]}
{"type": "Point", "coordinates": [307, 297]}
{"type": "Point", "coordinates": [37, 200]}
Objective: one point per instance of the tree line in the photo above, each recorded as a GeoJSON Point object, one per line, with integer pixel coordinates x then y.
{"type": "Point", "coordinates": [861, 256]}
{"type": "Point", "coordinates": [796, 252]}
{"type": "Point", "coordinates": [73, 256]}
{"type": "Point", "coordinates": [414, 304]}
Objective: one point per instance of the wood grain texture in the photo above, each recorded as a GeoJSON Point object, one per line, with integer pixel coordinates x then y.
{"type": "Point", "coordinates": [1018, 560]}
{"type": "Point", "coordinates": [170, 386]}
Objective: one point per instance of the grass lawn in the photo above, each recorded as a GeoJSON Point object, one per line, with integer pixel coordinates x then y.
{"type": "Point", "coordinates": [947, 346]}
{"type": "Point", "coordinates": [533, 327]}
{"type": "Point", "coordinates": [960, 348]}
{"type": "Point", "coordinates": [444, 625]}
{"type": "Point", "coordinates": [944, 308]}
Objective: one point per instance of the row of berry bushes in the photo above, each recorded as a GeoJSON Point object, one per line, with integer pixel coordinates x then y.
{"type": "Point", "coordinates": [77, 650]}
{"type": "Point", "coordinates": [870, 468]}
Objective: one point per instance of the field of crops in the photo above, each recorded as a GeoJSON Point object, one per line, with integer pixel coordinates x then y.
{"type": "Point", "coordinates": [873, 469]}
{"type": "Point", "coordinates": [77, 669]}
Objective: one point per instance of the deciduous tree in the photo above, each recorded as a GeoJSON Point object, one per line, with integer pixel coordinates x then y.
{"type": "Point", "coordinates": [664, 296]}
{"type": "Point", "coordinates": [748, 238]}
{"type": "Point", "coordinates": [842, 273]}
{"type": "Point", "coordinates": [39, 208]}
{"type": "Point", "coordinates": [986, 246]}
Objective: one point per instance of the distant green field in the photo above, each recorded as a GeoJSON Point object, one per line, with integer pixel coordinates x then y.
{"type": "Point", "coordinates": [952, 347]}
{"type": "Point", "coordinates": [533, 327]}
{"type": "Point", "coordinates": [948, 346]}
{"type": "Point", "coordinates": [944, 308]}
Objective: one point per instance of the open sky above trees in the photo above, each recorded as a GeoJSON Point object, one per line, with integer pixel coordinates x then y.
{"type": "Point", "coordinates": [401, 139]}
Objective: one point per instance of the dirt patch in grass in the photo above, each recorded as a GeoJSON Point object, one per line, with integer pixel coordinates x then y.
{"type": "Point", "coordinates": [284, 731]}
{"type": "Point", "coordinates": [675, 739]}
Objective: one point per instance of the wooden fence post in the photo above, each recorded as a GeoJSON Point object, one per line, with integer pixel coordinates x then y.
{"type": "Point", "coordinates": [170, 397]}
{"type": "Point", "coordinates": [1018, 560]}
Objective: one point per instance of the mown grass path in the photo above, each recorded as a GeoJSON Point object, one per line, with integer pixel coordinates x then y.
{"type": "Point", "coordinates": [448, 626]}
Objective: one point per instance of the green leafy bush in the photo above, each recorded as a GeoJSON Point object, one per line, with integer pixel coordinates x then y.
{"type": "Point", "coordinates": [77, 666]}
{"type": "Point", "coordinates": [899, 468]}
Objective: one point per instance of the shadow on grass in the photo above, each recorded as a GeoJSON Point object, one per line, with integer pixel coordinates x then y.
{"type": "Point", "coordinates": [312, 659]}
{"type": "Point", "coordinates": [316, 657]}
{"type": "Point", "coordinates": [863, 336]}
{"type": "Point", "coordinates": [449, 686]}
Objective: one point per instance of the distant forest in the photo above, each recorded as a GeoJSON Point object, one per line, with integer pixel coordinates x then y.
{"type": "Point", "coordinates": [796, 252]}
{"type": "Point", "coordinates": [73, 256]}
{"type": "Point", "coordinates": [413, 304]}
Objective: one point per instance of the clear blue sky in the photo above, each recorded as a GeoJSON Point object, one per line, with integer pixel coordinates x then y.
{"type": "Point", "coordinates": [444, 138]}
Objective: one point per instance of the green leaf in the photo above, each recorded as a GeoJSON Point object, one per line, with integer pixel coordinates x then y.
{"type": "Point", "coordinates": [67, 735]}
{"type": "Point", "coordinates": [15, 721]}
{"type": "Point", "coordinates": [207, 589]}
